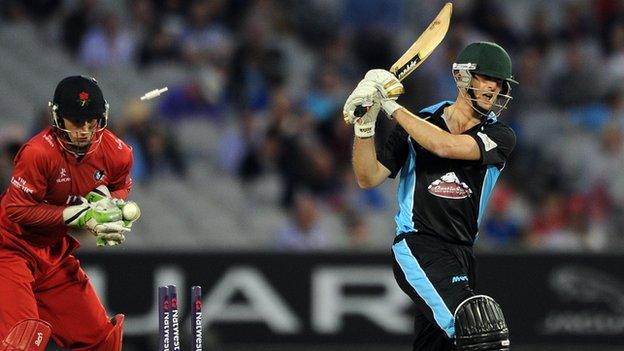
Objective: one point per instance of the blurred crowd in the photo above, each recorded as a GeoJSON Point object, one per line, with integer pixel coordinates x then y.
{"type": "Point", "coordinates": [281, 70]}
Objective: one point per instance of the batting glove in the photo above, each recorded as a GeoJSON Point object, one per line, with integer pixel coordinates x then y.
{"type": "Point", "coordinates": [366, 95]}
{"type": "Point", "coordinates": [389, 87]}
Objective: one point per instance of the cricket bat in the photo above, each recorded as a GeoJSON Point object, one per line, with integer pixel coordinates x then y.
{"type": "Point", "coordinates": [421, 49]}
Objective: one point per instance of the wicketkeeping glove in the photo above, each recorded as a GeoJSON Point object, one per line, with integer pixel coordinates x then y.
{"type": "Point", "coordinates": [101, 198]}
{"type": "Point", "coordinates": [389, 87]}
{"type": "Point", "coordinates": [105, 223]}
{"type": "Point", "coordinates": [98, 194]}
{"type": "Point", "coordinates": [114, 233]}
{"type": "Point", "coordinates": [366, 95]}
{"type": "Point", "coordinates": [110, 239]}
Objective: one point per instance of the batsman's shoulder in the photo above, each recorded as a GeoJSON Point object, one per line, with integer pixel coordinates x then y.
{"type": "Point", "coordinates": [433, 109]}
{"type": "Point", "coordinates": [503, 127]}
{"type": "Point", "coordinates": [501, 131]}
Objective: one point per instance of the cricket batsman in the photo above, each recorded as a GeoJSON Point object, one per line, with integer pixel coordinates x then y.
{"type": "Point", "coordinates": [73, 174]}
{"type": "Point", "coordinates": [449, 157]}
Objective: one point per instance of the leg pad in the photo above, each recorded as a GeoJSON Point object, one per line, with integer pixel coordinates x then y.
{"type": "Point", "coordinates": [480, 325]}
{"type": "Point", "coordinates": [27, 335]}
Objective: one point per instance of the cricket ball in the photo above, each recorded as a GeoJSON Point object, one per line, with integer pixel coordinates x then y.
{"type": "Point", "coordinates": [131, 211]}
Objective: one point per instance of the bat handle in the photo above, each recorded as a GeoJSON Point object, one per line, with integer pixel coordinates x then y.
{"type": "Point", "coordinates": [360, 111]}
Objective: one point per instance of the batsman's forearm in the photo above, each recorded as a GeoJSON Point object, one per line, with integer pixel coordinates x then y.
{"type": "Point", "coordinates": [426, 134]}
{"type": "Point", "coordinates": [364, 162]}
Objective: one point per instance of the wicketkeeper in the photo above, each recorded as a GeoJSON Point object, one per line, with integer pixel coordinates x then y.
{"type": "Point", "coordinates": [449, 156]}
{"type": "Point", "coordinates": [73, 174]}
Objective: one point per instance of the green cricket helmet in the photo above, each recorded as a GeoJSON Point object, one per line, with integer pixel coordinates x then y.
{"type": "Point", "coordinates": [490, 60]}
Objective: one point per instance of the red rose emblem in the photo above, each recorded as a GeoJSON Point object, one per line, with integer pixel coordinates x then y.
{"type": "Point", "coordinates": [83, 98]}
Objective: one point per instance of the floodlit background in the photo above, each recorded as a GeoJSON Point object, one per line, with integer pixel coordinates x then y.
{"type": "Point", "coordinates": [247, 151]}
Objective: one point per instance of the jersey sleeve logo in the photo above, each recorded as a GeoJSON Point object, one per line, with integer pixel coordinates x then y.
{"type": "Point", "coordinates": [22, 184]}
{"type": "Point", "coordinates": [449, 187]}
{"type": "Point", "coordinates": [48, 139]}
{"type": "Point", "coordinates": [487, 142]}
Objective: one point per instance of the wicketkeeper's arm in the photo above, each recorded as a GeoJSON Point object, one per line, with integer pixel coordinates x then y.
{"type": "Point", "coordinates": [26, 191]}
{"type": "Point", "coordinates": [120, 182]}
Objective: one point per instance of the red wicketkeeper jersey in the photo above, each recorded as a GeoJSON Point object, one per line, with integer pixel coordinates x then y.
{"type": "Point", "coordinates": [46, 179]}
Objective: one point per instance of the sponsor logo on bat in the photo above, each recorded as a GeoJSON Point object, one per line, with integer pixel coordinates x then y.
{"type": "Point", "coordinates": [408, 68]}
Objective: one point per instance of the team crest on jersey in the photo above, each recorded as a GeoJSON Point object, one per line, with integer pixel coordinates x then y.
{"type": "Point", "coordinates": [98, 175]}
{"type": "Point", "coordinates": [449, 187]}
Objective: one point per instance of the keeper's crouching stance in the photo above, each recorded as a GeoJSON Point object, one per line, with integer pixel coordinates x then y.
{"type": "Point", "coordinates": [73, 174]}
{"type": "Point", "coordinates": [448, 157]}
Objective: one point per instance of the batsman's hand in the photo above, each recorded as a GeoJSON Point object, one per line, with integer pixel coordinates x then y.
{"type": "Point", "coordinates": [366, 95]}
{"type": "Point", "coordinates": [389, 87]}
